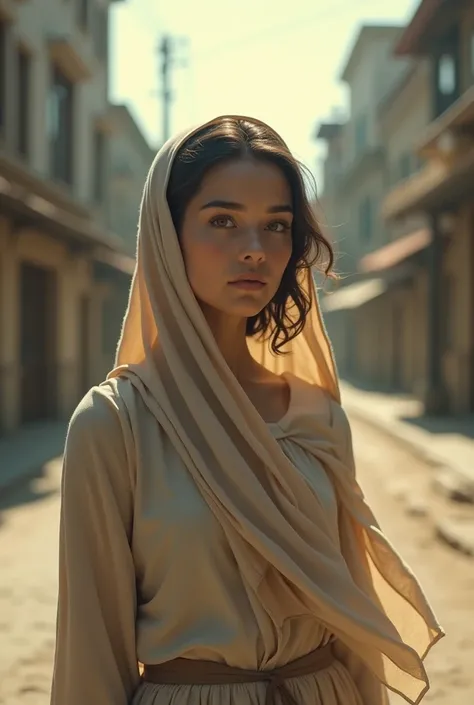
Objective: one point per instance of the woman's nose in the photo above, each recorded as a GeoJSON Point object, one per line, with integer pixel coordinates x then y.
{"type": "Point", "coordinates": [252, 248]}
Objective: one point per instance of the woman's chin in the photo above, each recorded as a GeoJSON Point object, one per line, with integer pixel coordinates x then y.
{"type": "Point", "coordinates": [246, 309]}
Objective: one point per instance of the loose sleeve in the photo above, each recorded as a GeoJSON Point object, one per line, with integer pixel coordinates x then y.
{"type": "Point", "coordinates": [95, 659]}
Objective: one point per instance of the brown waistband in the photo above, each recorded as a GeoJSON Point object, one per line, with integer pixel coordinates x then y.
{"type": "Point", "coordinates": [181, 671]}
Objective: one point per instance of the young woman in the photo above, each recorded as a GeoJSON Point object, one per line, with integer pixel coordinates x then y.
{"type": "Point", "coordinates": [215, 545]}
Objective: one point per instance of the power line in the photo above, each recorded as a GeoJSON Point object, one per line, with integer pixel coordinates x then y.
{"type": "Point", "coordinates": [269, 33]}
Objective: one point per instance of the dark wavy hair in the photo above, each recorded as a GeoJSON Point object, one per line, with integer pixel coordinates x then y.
{"type": "Point", "coordinates": [231, 138]}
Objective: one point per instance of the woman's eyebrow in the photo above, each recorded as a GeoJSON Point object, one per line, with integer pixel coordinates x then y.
{"type": "Point", "coordinates": [232, 205]}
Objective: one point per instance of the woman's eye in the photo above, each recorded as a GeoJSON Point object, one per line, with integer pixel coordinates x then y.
{"type": "Point", "coordinates": [222, 221]}
{"type": "Point", "coordinates": [279, 226]}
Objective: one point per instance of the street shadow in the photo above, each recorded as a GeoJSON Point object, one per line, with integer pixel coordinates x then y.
{"type": "Point", "coordinates": [30, 464]}
{"type": "Point", "coordinates": [36, 487]}
{"type": "Point", "coordinates": [437, 425]}
{"type": "Point", "coordinates": [410, 412]}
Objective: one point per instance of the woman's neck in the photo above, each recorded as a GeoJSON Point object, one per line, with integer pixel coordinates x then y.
{"type": "Point", "coordinates": [230, 335]}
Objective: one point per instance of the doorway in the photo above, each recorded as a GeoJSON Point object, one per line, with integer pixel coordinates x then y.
{"type": "Point", "coordinates": [37, 343]}
{"type": "Point", "coordinates": [471, 284]}
{"type": "Point", "coordinates": [84, 344]}
{"type": "Point", "coordinates": [397, 347]}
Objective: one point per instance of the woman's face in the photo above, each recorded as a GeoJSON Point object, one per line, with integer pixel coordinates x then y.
{"type": "Point", "coordinates": [236, 236]}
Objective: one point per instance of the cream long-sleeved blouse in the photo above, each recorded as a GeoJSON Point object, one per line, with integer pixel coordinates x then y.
{"type": "Point", "coordinates": [147, 573]}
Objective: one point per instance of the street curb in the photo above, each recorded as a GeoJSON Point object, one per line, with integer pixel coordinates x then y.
{"type": "Point", "coordinates": [448, 480]}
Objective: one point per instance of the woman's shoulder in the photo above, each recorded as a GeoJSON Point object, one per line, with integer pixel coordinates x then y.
{"type": "Point", "coordinates": [310, 398]}
{"type": "Point", "coordinates": [99, 449]}
{"type": "Point", "coordinates": [102, 414]}
{"type": "Point", "coordinates": [312, 401]}
{"type": "Point", "coordinates": [102, 404]}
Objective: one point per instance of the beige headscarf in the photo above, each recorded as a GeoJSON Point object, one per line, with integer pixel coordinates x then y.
{"type": "Point", "coordinates": [369, 599]}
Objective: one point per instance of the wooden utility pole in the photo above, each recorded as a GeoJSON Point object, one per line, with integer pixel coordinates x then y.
{"type": "Point", "coordinates": [169, 48]}
{"type": "Point", "coordinates": [165, 49]}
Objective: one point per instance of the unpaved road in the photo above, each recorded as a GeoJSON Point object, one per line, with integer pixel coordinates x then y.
{"type": "Point", "coordinates": [28, 555]}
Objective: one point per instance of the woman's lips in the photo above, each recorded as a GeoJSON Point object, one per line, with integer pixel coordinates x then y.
{"type": "Point", "coordinates": [248, 284]}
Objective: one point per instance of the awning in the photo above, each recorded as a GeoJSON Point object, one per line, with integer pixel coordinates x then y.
{"type": "Point", "coordinates": [396, 252]}
{"type": "Point", "coordinates": [114, 260]}
{"type": "Point", "coordinates": [354, 295]}
{"type": "Point", "coordinates": [427, 23]}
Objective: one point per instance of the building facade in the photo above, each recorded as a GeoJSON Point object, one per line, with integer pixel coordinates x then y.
{"type": "Point", "coordinates": [391, 348]}
{"type": "Point", "coordinates": [441, 191]}
{"type": "Point", "coordinates": [355, 182]}
{"type": "Point", "coordinates": [59, 264]}
{"type": "Point", "coordinates": [411, 309]}
{"type": "Point", "coordinates": [130, 159]}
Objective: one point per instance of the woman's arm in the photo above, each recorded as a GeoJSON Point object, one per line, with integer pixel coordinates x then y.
{"type": "Point", "coordinates": [95, 659]}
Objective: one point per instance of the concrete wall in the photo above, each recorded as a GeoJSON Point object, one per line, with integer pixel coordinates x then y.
{"type": "Point", "coordinates": [403, 120]}
{"type": "Point", "coordinates": [130, 161]}
{"type": "Point", "coordinates": [390, 348]}
{"type": "Point", "coordinates": [375, 72]}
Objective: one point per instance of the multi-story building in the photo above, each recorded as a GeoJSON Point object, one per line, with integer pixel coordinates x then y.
{"type": "Point", "coordinates": [390, 348]}
{"type": "Point", "coordinates": [369, 73]}
{"type": "Point", "coordinates": [355, 174]}
{"type": "Point", "coordinates": [130, 160]}
{"type": "Point", "coordinates": [59, 264]}
{"type": "Point", "coordinates": [441, 191]}
{"type": "Point", "coordinates": [407, 324]}
{"type": "Point", "coordinates": [331, 210]}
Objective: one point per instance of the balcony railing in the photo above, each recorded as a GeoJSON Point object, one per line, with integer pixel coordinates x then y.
{"type": "Point", "coordinates": [458, 120]}
{"type": "Point", "coordinates": [447, 149]}
{"type": "Point", "coordinates": [441, 183]}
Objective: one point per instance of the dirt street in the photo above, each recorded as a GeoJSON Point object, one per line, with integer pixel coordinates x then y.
{"type": "Point", "coordinates": [28, 554]}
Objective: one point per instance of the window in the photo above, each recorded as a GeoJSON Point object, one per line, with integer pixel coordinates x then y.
{"type": "Point", "coordinates": [101, 32]}
{"type": "Point", "coordinates": [99, 166]}
{"type": "Point", "coordinates": [448, 328]}
{"type": "Point", "coordinates": [23, 102]}
{"type": "Point", "coordinates": [103, 24]}
{"type": "Point", "coordinates": [447, 74]}
{"type": "Point", "coordinates": [405, 165]}
{"type": "Point", "coordinates": [471, 49]}
{"type": "Point", "coordinates": [83, 13]}
{"type": "Point", "coordinates": [366, 220]}
{"type": "Point", "coordinates": [360, 133]}
{"type": "Point", "coordinates": [447, 61]}
{"type": "Point", "coordinates": [60, 126]}
{"type": "Point", "coordinates": [3, 72]}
